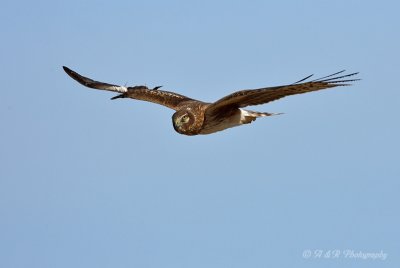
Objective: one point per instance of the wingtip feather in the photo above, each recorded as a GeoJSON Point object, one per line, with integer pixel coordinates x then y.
{"type": "Point", "coordinates": [66, 69]}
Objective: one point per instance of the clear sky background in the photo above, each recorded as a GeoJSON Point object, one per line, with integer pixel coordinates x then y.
{"type": "Point", "coordinates": [89, 182]}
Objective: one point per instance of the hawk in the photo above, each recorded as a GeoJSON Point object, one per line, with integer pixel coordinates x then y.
{"type": "Point", "coordinates": [194, 117]}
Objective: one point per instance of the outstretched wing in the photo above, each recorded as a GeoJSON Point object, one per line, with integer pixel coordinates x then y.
{"type": "Point", "coordinates": [251, 97]}
{"type": "Point", "coordinates": [169, 99]}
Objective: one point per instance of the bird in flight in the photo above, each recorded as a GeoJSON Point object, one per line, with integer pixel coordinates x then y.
{"type": "Point", "coordinates": [194, 117]}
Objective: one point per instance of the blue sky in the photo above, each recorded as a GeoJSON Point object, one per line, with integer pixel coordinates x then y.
{"type": "Point", "coordinates": [89, 182]}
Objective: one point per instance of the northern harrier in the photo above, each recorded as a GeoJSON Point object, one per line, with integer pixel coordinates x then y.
{"type": "Point", "coordinates": [193, 117]}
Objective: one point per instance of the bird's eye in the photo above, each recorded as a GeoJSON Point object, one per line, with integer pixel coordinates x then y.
{"type": "Point", "coordinates": [185, 118]}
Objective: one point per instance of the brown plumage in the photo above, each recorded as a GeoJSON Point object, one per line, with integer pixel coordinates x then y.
{"type": "Point", "coordinates": [193, 117]}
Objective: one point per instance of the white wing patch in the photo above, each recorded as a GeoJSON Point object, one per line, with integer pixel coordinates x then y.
{"type": "Point", "coordinates": [119, 89]}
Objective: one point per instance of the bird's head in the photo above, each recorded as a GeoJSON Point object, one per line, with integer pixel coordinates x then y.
{"type": "Point", "coordinates": [184, 122]}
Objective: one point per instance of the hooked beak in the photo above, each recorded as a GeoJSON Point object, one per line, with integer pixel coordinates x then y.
{"type": "Point", "coordinates": [178, 123]}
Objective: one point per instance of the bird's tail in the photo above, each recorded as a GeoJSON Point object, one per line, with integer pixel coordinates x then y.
{"type": "Point", "coordinates": [249, 116]}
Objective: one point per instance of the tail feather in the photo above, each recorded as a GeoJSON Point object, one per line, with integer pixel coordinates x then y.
{"type": "Point", "coordinates": [250, 116]}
